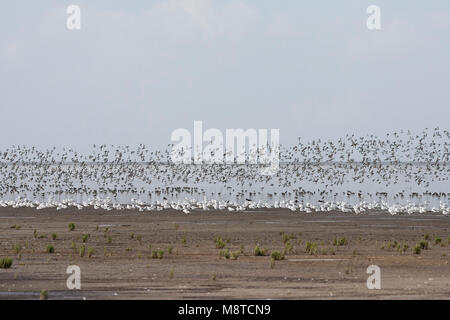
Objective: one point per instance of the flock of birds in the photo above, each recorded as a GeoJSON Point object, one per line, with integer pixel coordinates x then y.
{"type": "Point", "coordinates": [403, 172]}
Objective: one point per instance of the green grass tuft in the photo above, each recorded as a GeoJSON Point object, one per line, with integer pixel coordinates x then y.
{"type": "Point", "coordinates": [17, 248]}
{"type": "Point", "coordinates": [423, 244]}
{"type": "Point", "coordinates": [44, 294]}
{"type": "Point", "coordinates": [157, 254]}
{"type": "Point", "coordinates": [235, 255]}
{"type": "Point", "coordinates": [276, 255]}
{"type": "Point", "coordinates": [258, 251]}
{"type": "Point", "coordinates": [6, 263]}
{"type": "Point", "coordinates": [311, 247]}
{"type": "Point", "coordinates": [340, 242]}
{"type": "Point", "coordinates": [82, 250]}
{"type": "Point", "coordinates": [220, 244]}
{"type": "Point", "coordinates": [50, 249]}
{"type": "Point", "coordinates": [85, 238]}
{"type": "Point", "coordinates": [287, 236]}
{"type": "Point", "coordinates": [225, 253]}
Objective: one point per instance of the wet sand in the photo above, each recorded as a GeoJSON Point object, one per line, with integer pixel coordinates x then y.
{"type": "Point", "coordinates": [121, 266]}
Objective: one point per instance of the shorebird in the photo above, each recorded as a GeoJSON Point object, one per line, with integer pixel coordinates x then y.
{"type": "Point", "coordinates": [401, 172]}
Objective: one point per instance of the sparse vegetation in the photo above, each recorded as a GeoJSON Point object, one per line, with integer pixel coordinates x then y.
{"type": "Point", "coordinates": [157, 254]}
{"type": "Point", "coordinates": [272, 263]}
{"type": "Point", "coordinates": [287, 236]}
{"type": "Point", "coordinates": [340, 242]}
{"type": "Point", "coordinates": [17, 248]}
{"type": "Point", "coordinates": [235, 255]}
{"type": "Point", "coordinates": [44, 294]}
{"type": "Point", "coordinates": [394, 244]}
{"type": "Point", "coordinates": [220, 244]}
{"type": "Point", "coordinates": [311, 247]}
{"type": "Point", "coordinates": [276, 255]}
{"type": "Point", "coordinates": [225, 253]}
{"type": "Point", "coordinates": [71, 226]}
{"type": "Point", "coordinates": [82, 250]}
{"type": "Point", "coordinates": [403, 247]}
{"type": "Point", "coordinates": [315, 242]}
{"type": "Point", "coordinates": [348, 269]}
{"type": "Point", "coordinates": [5, 263]}
{"type": "Point", "coordinates": [423, 244]}
{"type": "Point", "coordinates": [85, 237]}
{"type": "Point", "coordinates": [288, 247]}
{"type": "Point", "coordinates": [258, 251]}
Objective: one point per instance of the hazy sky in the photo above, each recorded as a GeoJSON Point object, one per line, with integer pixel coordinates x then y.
{"type": "Point", "coordinates": [137, 70]}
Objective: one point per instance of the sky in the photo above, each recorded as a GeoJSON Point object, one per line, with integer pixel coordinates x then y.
{"type": "Point", "coordinates": [137, 70]}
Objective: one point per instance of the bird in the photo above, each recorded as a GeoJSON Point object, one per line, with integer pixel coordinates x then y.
{"type": "Point", "coordinates": [404, 171]}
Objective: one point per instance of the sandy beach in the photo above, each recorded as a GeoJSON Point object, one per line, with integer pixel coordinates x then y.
{"type": "Point", "coordinates": [121, 245]}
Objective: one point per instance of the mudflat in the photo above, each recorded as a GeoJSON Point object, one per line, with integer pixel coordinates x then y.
{"type": "Point", "coordinates": [210, 254]}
